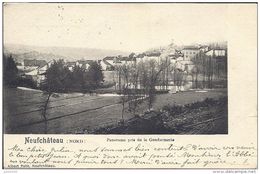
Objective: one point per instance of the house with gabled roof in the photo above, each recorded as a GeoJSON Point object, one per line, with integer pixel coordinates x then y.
{"type": "Point", "coordinates": [107, 63]}
{"type": "Point", "coordinates": [31, 64]}
{"type": "Point", "coordinates": [38, 74]}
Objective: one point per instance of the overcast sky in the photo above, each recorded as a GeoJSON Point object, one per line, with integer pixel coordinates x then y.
{"type": "Point", "coordinates": [126, 27]}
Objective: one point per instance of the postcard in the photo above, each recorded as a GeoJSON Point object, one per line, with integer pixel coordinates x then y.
{"type": "Point", "coordinates": [129, 85]}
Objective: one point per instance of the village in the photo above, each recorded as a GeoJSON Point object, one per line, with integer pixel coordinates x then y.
{"type": "Point", "coordinates": [144, 93]}
{"type": "Point", "coordinates": [177, 59]}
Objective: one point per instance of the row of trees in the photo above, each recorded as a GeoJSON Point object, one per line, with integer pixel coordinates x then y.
{"type": "Point", "coordinates": [60, 79]}
{"type": "Point", "coordinates": [58, 76]}
{"type": "Point", "coordinates": [138, 81]}
{"type": "Point", "coordinates": [208, 69]}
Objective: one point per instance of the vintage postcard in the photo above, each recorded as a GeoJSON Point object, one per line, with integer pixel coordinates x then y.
{"type": "Point", "coordinates": [129, 85]}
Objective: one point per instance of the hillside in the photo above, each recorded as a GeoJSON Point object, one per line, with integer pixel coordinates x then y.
{"type": "Point", "coordinates": [21, 52]}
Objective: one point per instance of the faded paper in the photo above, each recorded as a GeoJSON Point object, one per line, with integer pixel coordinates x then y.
{"type": "Point", "coordinates": [237, 149]}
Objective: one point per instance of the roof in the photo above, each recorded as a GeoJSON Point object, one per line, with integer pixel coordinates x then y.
{"type": "Point", "coordinates": [190, 48]}
{"type": "Point", "coordinates": [140, 55]}
{"type": "Point", "coordinates": [126, 58]}
{"type": "Point", "coordinates": [32, 73]}
{"type": "Point", "coordinates": [203, 46]}
{"type": "Point", "coordinates": [149, 54]}
{"type": "Point", "coordinates": [153, 54]}
{"type": "Point", "coordinates": [85, 61]}
{"type": "Point", "coordinates": [219, 49]}
{"type": "Point", "coordinates": [35, 71]}
{"type": "Point", "coordinates": [176, 55]}
{"type": "Point", "coordinates": [109, 58]}
{"type": "Point", "coordinates": [34, 62]}
{"type": "Point", "coordinates": [105, 60]}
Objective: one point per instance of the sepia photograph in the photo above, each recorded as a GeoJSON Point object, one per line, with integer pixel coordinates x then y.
{"type": "Point", "coordinates": [114, 69]}
{"type": "Point", "coordinates": [144, 85]}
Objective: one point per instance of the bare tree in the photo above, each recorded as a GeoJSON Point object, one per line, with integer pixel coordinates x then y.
{"type": "Point", "coordinates": [154, 70]}
{"type": "Point", "coordinates": [44, 109]}
{"type": "Point", "coordinates": [146, 75]}
{"type": "Point", "coordinates": [125, 75]}
{"type": "Point", "coordinates": [143, 78]}
{"type": "Point", "coordinates": [134, 96]}
{"type": "Point", "coordinates": [179, 77]}
{"type": "Point", "coordinates": [207, 67]}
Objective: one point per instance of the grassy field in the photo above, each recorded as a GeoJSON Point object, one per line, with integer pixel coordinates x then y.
{"type": "Point", "coordinates": [78, 113]}
{"type": "Point", "coordinates": [202, 117]}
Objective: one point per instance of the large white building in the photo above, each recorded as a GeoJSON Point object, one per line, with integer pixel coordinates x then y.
{"type": "Point", "coordinates": [190, 52]}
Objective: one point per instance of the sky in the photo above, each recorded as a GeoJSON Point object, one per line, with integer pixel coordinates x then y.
{"type": "Point", "coordinates": [126, 27]}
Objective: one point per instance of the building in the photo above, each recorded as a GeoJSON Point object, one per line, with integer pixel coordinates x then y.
{"type": "Point", "coordinates": [127, 60]}
{"type": "Point", "coordinates": [81, 63]}
{"type": "Point", "coordinates": [38, 74]}
{"type": "Point", "coordinates": [216, 53]}
{"type": "Point", "coordinates": [29, 65]}
{"type": "Point", "coordinates": [84, 63]}
{"type": "Point", "coordinates": [204, 48]}
{"type": "Point", "coordinates": [189, 52]}
{"type": "Point", "coordinates": [144, 57]}
{"type": "Point", "coordinates": [34, 62]}
{"type": "Point", "coordinates": [108, 63]}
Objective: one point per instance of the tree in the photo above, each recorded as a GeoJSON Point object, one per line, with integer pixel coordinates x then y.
{"type": "Point", "coordinates": [10, 71]}
{"type": "Point", "coordinates": [134, 98]}
{"type": "Point", "coordinates": [208, 67]}
{"type": "Point", "coordinates": [179, 78]}
{"type": "Point", "coordinates": [95, 75]}
{"type": "Point", "coordinates": [152, 79]}
{"type": "Point", "coordinates": [143, 77]}
{"type": "Point", "coordinates": [199, 61]}
{"type": "Point", "coordinates": [149, 77]}
{"type": "Point", "coordinates": [78, 78]}
{"type": "Point", "coordinates": [56, 76]}
{"type": "Point", "coordinates": [131, 55]}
